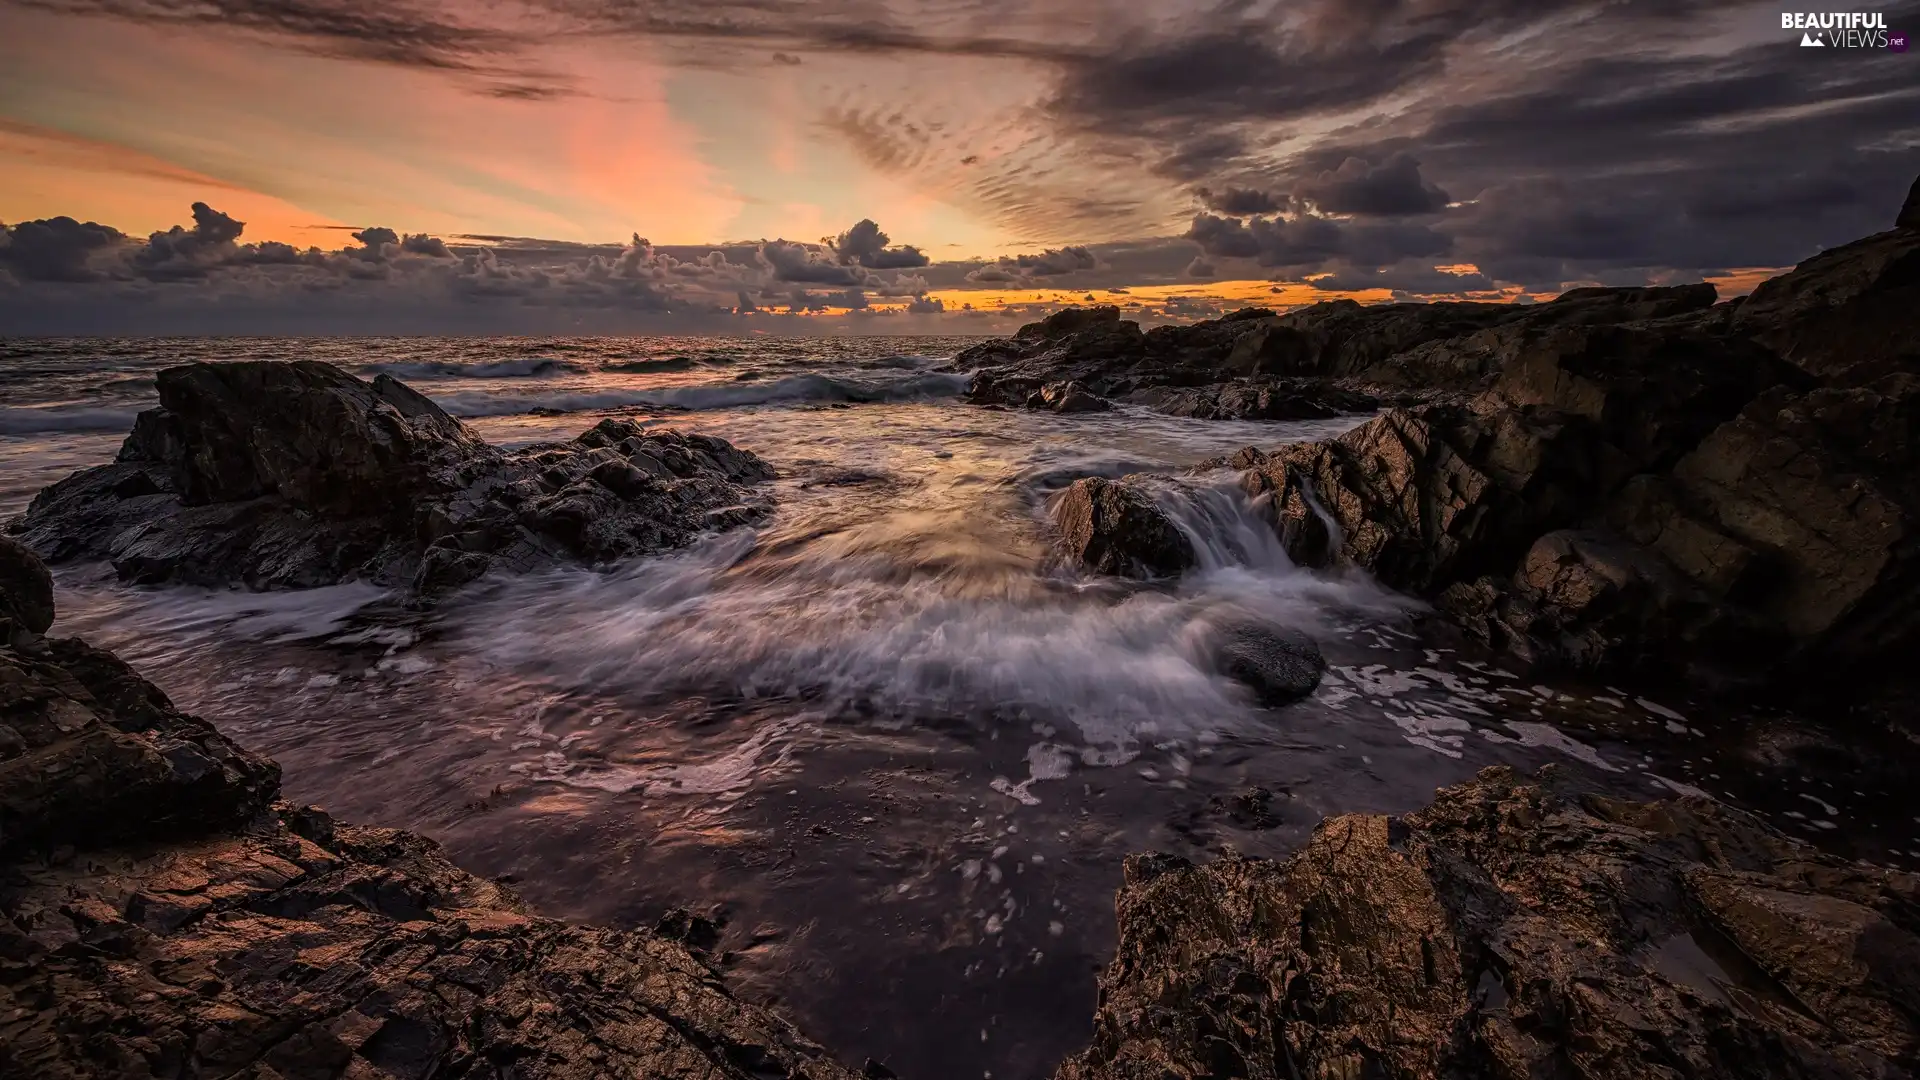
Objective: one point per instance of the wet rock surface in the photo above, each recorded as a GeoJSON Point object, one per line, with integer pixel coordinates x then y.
{"type": "Point", "coordinates": [1320, 361]}
{"type": "Point", "coordinates": [1723, 495]}
{"type": "Point", "coordinates": [1279, 665]}
{"type": "Point", "coordinates": [1114, 527]}
{"type": "Point", "coordinates": [26, 590]}
{"type": "Point", "coordinates": [162, 915]}
{"type": "Point", "coordinates": [1516, 928]}
{"type": "Point", "coordinates": [289, 475]}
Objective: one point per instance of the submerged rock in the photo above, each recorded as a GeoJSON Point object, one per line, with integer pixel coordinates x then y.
{"type": "Point", "coordinates": [162, 915]}
{"type": "Point", "coordinates": [1511, 930]}
{"type": "Point", "coordinates": [1113, 527]}
{"type": "Point", "coordinates": [287, 475]}
{"type": "Point", "coordinates": [1279, 665]}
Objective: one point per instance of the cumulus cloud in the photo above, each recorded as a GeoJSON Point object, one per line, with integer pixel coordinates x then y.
{"type": "Point", "coordinates": [56, 249]}
{"type": "Point", "coordinates": [1237, 201]}
{"type": "Point", "coordinates": [1199, 267]}
{"type": "Point", "coordinates": [1393, 187]}
{"type": "Point", "coordinates": [866, 245]}
{"type": "Point", "coordinates": [926, 305]}
{"type": "Point", "coordinates": [807, 264]}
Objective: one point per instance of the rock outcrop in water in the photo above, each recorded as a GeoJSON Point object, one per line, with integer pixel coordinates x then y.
{"type": "Point", "coordinates": [161, 914]}
{"type": "Point", "coordinates": [1331, 358]}
{"type": "Point", "coordinates": [289, 475]}
{"type": "Point", "coordinates": [1516, 930]}
{"type": "Point", "coordinates": [1115, 527]}
{"type": "Point", "coordinates": [1728, 494]}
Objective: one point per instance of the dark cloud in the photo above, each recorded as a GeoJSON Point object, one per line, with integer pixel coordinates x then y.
{"type": "Point", "coordinates": [1238, 201]}
{"type": "Point", "coordinates": [1200, 267]}
{"type": "Point", "coordinates": [1054, 261]}
{"type": "Point", "coordinates": [422, 244]}
{"type": "Point", "coordinates": [1307, 243]}
{"type": "Point", "coordinates": [55, 249]}
{"type": "Point", "coordinates": [421, 35]}
{"type": "Point", "coordinates": [1393, 187]}
{"type": "Point", "coordinates": [807, 264]}
{"type": "Point", "coordinates": [926, 305]}
{"type": "Point", "coordinates": [866, 245]}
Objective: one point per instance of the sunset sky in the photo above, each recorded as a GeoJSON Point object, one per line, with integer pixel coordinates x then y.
{"type": "Point", "coordinates": [550, 166]}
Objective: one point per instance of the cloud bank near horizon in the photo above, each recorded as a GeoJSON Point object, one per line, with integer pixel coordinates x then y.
{"type": "Point", "coordinates": [1413, 148]}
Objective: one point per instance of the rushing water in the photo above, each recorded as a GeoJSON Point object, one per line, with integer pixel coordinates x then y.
{"type": "Point", "coordinates": [888, 738]}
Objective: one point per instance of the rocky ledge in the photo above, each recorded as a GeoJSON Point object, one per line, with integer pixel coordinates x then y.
{"type": "Point", "coordinates": [1516, 929]}
{"type": "Point", "coordinates": [1725, 494]}
{"type": "Point", "coordinates": [291, 475]}
{"type": "Point", "coordinates": [163, 914]}
{"type": "Point", "coordinates": [1322, 361]}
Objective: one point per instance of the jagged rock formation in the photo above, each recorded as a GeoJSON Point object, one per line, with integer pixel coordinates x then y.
{"type": "Point", "coordinates": [1715, 494]}
{"type": "Point", "coordinates": [1516, 930]}
{"type": "Point", "coordinates": [288, 475]}
{"type": "Point", "coordinates": [162, 915]}
{"type": "Point", "coordinates": [1320, 361]}
{"type": "Point", "coordinates": [1115, 527]}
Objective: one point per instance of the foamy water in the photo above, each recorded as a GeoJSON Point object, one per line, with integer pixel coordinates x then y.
{"type": "Point", "coordinates": [890, 732]}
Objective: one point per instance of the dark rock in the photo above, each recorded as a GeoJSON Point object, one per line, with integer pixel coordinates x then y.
{"type": "Point", "coordinates": [1495, 506]}
{"type": "Point", "coordinates": [1113, 527]}
{"type": "Point", "coordinates": [1909, 217]}
{"type": "Point", "coordinates": [1068, 397]}
{"type": "Point", "coordinates": [1844, 316]}
{"type": "Point", "coordinates": [1514, 930]}
{"type": "Point", "coordinates": [161, 915]}
{"type": "Point", "coordinates": [1255, 399]}
{"type": "Point", "coordinates": [1067, 321]}
{"type": "Point", "coordinates": [1279, 665]}
{"type": "Point", "coordinates": [26, 588]}
{"type": "Point", "coordinates": [278, 475]}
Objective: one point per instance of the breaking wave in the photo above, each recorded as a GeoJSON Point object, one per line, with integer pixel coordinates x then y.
{"type": "Point", "coordinates": [796, 389]}
{"type": "Point", "coordinates": [531, 367]}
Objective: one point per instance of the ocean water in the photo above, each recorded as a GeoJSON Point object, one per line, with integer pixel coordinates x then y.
{"type": "Point", "coordinates": [888, 737]}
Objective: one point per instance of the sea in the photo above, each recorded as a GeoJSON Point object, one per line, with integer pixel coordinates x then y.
{"type": "Point", "coordinates": [888, 739]}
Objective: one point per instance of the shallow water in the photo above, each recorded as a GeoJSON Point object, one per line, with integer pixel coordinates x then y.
{"type": "Point", "coordinates": [898, 744]}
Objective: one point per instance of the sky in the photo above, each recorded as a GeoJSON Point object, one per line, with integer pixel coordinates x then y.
{"type": "Point", "coordinates": [909, 166]}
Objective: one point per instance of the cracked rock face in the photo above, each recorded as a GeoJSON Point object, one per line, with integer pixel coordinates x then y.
{"type": "Point", "coordinates": [1510, 930]}
{"type": "Point", "coordinates": [292, 475]}
{"type": "Point", "coordinates": [1725, 495]}
{"type": "Point", "coordinates": [162, 915]}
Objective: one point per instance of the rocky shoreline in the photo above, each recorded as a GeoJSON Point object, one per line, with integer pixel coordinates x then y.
{"type": "Point", "coordinates": [1635, 483]}
{"type": "Point", "coordinates": [1640, 481]}
{"type": "Point", "coordinates": [163, 913]}
{"type": "Point", "coordinates": [294, 475]}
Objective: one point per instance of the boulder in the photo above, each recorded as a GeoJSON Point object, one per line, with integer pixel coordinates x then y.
{"type": "Point", "coordinates": [1114, 527]}
{"type": "Point", "coordinates": [26, 589]}
{"type": "Point", "coordinates": [1515, 929]}
{"type": "Point", "coordinates": [287, 475]}
{"type": "Point", "coordinates": [1069, 397]}
{"type": "Point", "coordinates": [1067, 321]}
{"type": "Point", "coordinates": [1278, 664]}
